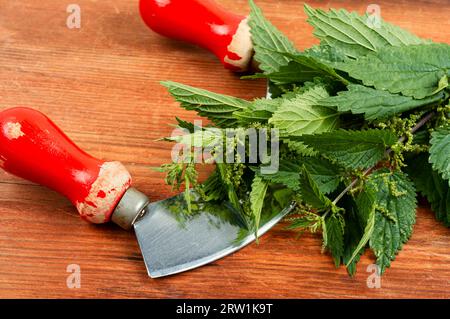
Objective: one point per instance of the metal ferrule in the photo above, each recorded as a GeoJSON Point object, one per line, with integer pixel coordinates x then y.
{"type": "Point", "coordinates": [130, 208]}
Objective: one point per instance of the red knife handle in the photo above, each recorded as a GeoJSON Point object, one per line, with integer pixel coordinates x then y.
{"type": "Point", "coordinates": [204, 23]}
{"type": "Point", "coordinates": [34, 148]}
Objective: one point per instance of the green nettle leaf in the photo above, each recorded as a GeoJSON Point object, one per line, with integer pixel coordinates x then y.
{"type": "Point", "coordinates": [440, 151]}
{"type": "Point", "coordinates": [325, 174]}
{"type": "Point", "coordinates": [443, 84]}
{"type": "Point", "coordinates": [395, 214]}
{"type": "Point", "coordinates": [414, 70]}
{"type": "Point", "coordinates": [282, 197]}
{"type": "Point", "coordinates": [185, 125]}
{"type": "Point", "coordinates": [288, 174]}
{"type": "Point", "coordinates": [333, 235]}
{"type": "Point", "coordinates": [352, 33]}
{"type": "Point", "coordinates": [200, 138]}
{"type": "Point", "coordinates": [431, 185]}
{"type": "Point", "coordinates": [325, 53]}
{"type": "Point", "coordinates": [365, 202]}
{"type": "Point", "coordinates": [213, 188]}
{"type": "Point", "coordinates": [302, 115]}
{"type": "Point", "coordinates": [324, 68]}
{"type": "Point", "coordinates": [257, 195]}
{"type": "Point", "coordinates": [218, 108]}
{"type": "Point", "coordinates": [310, 192]}
{"type": "Point", "coordinates": [268, 42]}
{"type": "Point", "coordinates": [299, 148]}
{"type": "Point", "coordinates": [352, 149]}
{"type": "Point", "coordinates": [293, 72]}
{"type": "Point", "coordinates": [375, 104]}
{"type": "Point", "coordinates": [260, 111]}
{"type": "Point", "coordinates": [353, 232]}
{"type": "Point", "coordinates": [302, 68]}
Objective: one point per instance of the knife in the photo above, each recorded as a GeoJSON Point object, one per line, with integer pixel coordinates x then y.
{"type": "Point", "coordinates": [203, 23]}
{"type": "Point", "coordinates": [34, 148]}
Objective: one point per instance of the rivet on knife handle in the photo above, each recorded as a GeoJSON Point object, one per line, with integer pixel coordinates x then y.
{"type": "Point", "coordinates": [204, 23]}
{"type": "Point", "coordinates": [34, 148]}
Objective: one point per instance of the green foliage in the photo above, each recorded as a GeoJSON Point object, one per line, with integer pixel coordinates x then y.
{"type": "Point", "coordinates": [358, 115]}
{"type": "Point", "coordinates": [260, 111]}
{"type": "Point", "coordinates": [333, 236]}
{"type": "Point", "coordinates": [326, 53]}
{"type": "Point", "coordinates": [199, 138]}
{"type": "Point", "coordinates": [218, 108]}
{"type": "Point", "coordinates": [352, 34]}
{"type": "Point", "coordinates": [230, 179]}
{"type": "Point", "coordinates": [353, 232]}
{"type": "Point", "coordinates": [431, 185]}
{"type": "Point", "coordinates": [440, 151]}
{"type": "Point", "coordinates": [268, 41]}
{"type": "Point", "coordinates": [416, 70]}
{"type": "Point", "coordinates": [178, 174]}
{"type": "Point", "coordinates": [365, 206]}
{"type": "Point", "coordinates": [257, 195]}
{"type": "Point", "coordinates": [375, 104]}
{"type": "Point", "coordinates": [352, 149]}
{"type": "Point", "coordinates": [395, 214]}
{"type": "Point", "coordinates": [302, 115]}
{"type": "Point", "coordinates": [302, 68]}
{"type": "Point", "coordinates": [293, 72]}
{"type": "Point", "coordinates": [213, 188]}
{"type": "Point", "coordinates": [310, 192]}
{"type": "Point", "coordinates": [288, 174]}
{"type": "Point", "coordinates": [298, 147]}
{"type": "Point", "coordinates": [321, 66]}
{"type": "Point", "coordinates": [325, 174]}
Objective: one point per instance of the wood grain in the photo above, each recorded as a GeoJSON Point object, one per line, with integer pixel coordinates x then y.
{"type": "Point", "coordinates": [100, 84]}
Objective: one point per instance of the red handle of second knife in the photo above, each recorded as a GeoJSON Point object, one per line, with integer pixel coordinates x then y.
{"type": "Point", "coordinates": [205, 23]}
{"type": "Point", "coordinates": [34, 148]}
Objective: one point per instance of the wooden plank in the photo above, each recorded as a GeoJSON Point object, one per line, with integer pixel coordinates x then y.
{"type": "Point", "coordinates": [101, 85]}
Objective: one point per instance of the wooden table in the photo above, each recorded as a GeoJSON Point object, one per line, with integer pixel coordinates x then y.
{"type": "Point", "coordinates": [100, 84]}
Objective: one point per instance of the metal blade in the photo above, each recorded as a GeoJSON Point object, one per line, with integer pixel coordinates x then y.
{"type": "Point", "coordinates": [172, 241]}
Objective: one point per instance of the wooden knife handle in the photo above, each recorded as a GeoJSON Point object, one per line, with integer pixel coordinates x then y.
{"type": "Point", "coordinates": [34, 148]}
{"type": "Point", "coordinates": [204, 23]}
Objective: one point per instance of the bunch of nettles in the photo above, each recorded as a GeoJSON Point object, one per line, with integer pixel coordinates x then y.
{"type": "Point", "coordinates": [364, 122]}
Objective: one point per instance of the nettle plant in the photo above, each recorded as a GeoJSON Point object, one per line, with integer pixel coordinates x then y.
{"type": "Point", "coordinates": [364, 124]}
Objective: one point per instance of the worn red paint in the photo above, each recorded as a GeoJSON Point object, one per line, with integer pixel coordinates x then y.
{"type": "Point", "coordinates": [101, 194]}
{"type": "Point", "coordinates": [201, 22]}
{"type": "Point", "coordinates": [45, 155]}
{"type": "Point", "coordinates": [88, 202]}
{"type": "Point", "coordinates": [233, 56]}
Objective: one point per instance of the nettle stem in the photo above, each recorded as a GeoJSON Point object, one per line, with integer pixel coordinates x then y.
{"type": "Point", "coordinates": [417, 127]}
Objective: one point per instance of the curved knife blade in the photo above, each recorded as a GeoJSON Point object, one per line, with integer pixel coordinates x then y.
{"type": "Point", "coordinates": [172, 241]}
